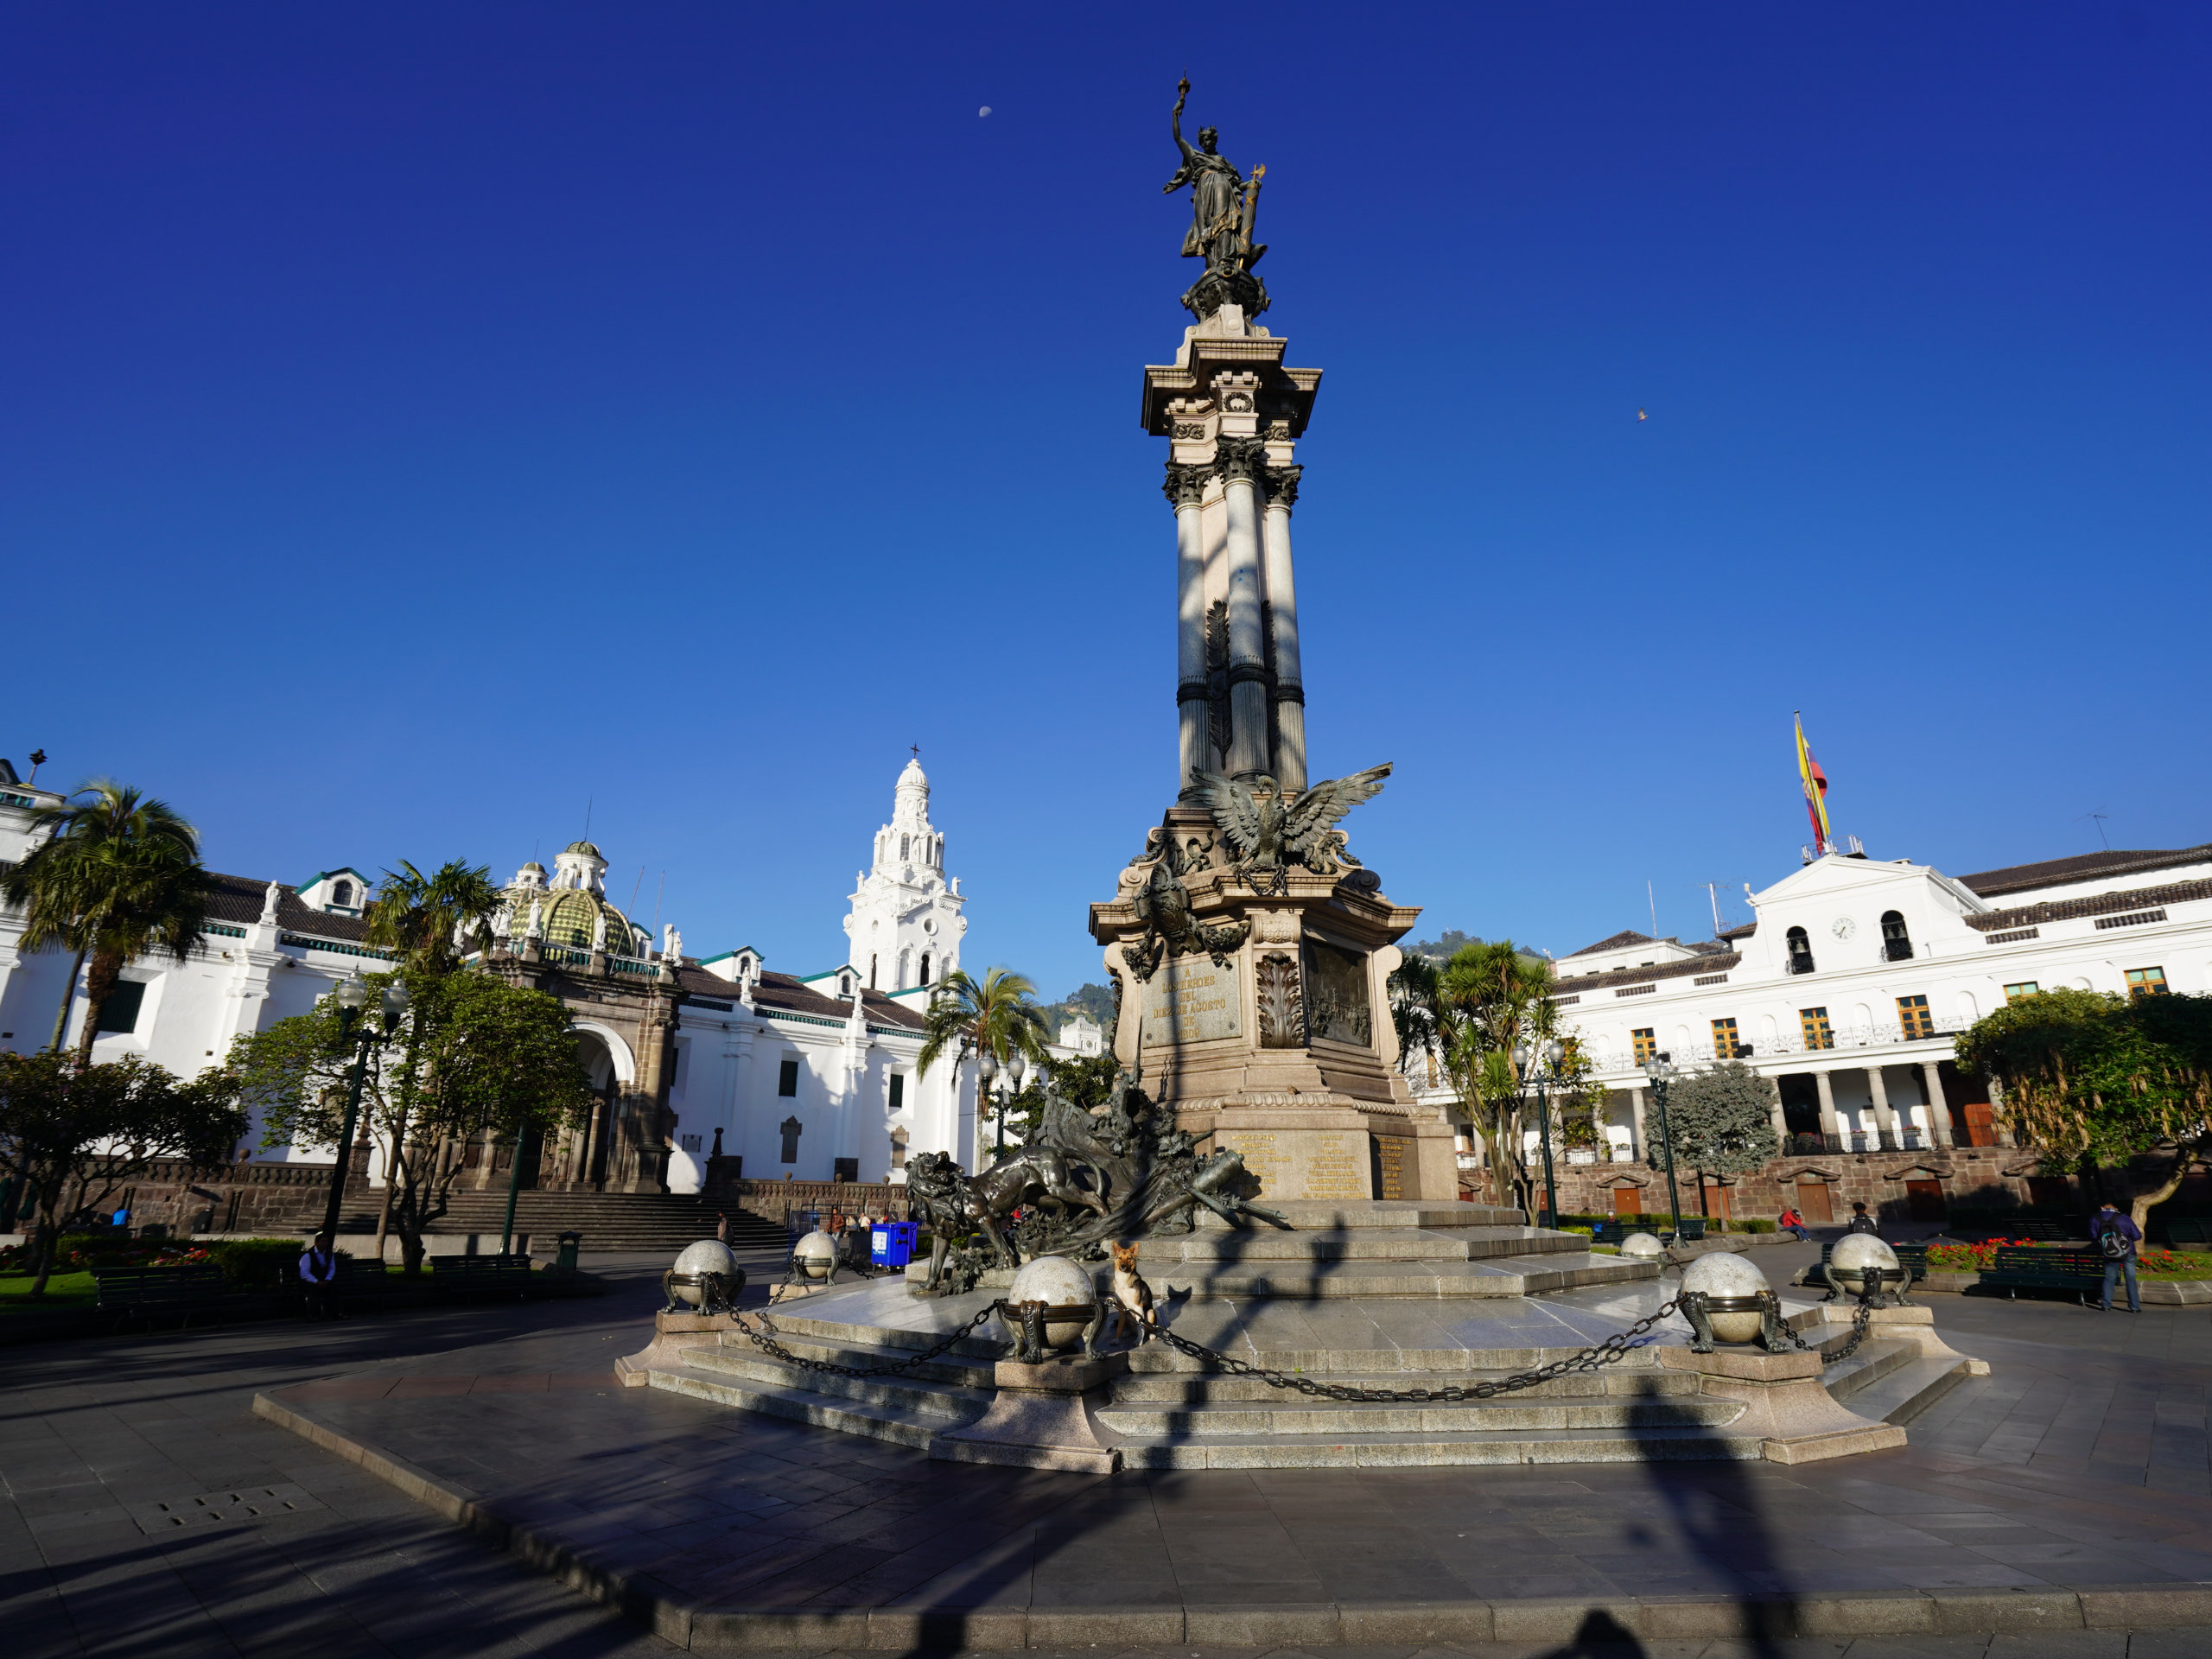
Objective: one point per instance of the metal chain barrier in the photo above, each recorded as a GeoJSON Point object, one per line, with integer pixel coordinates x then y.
{"type": "Point", "coordinates": [1861, 1322]}
{"type": "Point", "coordinates": [765, 1341]}
{"type": "Point", "coordinates": [1612, 1349]}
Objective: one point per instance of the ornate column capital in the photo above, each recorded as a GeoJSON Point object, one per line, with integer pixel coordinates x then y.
{"type": "Point", "coordinates": [1236, 458]}
{"type": "Point", "coordinates": [1282, 486]}
{"type": "Point", "coordinates": [1185, 485]}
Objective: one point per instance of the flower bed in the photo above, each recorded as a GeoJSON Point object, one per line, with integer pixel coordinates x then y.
{"type": "Point", "coordinates": [2154, 1262]}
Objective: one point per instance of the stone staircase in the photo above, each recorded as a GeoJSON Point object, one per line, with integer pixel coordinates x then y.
{"type": "Point", "coordinates": [613, 1221]}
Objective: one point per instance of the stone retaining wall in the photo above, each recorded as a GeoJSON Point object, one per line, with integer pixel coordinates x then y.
{"type": "Point", "coordinates": [1975, 1175]}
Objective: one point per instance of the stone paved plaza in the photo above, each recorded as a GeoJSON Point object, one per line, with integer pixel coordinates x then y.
{"type": "Point", "coordinates": [2081, 1463]}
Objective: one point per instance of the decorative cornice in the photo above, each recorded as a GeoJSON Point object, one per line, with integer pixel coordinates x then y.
{"type": "Point", "coordinates": [1282, 486]}
{"type": "Point", "coordinates": [1185, 485]}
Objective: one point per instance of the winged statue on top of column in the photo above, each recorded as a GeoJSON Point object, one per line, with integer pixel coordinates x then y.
{"type": "Point", "coordinates": [1273, 829]}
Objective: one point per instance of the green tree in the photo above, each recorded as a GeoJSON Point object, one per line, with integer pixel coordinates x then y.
{"type": "Point", "coordinates": [475, 1055]}
{"type": "Point", "coordinates": [115, 876]}
{"type": "Point", "coordinates": [996, 1015]}
{"type": "Point", "coordinates": [427, 917]}
{"type": "Point", "coordinates": [1460, 1023]}
{"type": "Point", "coordinates": [73, 1135]}
{"type": "Point", "coordinates": [2121, 1090]}
{"type": "Point", "coordinates": [1721, 1121]}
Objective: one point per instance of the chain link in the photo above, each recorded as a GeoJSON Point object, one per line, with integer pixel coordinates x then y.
{"type": "Point", "coordinates": [1612, 1349]}
{"type": "Point", "coordinates": [765, 1341]}
{"type": "Point", "coordinates": [1861, 1322]}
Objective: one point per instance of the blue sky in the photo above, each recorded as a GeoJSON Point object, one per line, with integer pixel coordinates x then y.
{"type": "Point", "coordinates": [418, 421]}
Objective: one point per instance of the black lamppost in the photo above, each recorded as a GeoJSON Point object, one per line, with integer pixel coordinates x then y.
{"type": "Point", "coordinates": [1016, 1064]}
{"type": "Point", "coordinates": [353, 998]}
{"type": "Point", "coordinates": [1661, 1073]}
{"type": "Point", "coordinates": [987, 1068]}
{"type": "Point", "coordinates": [1545, 1076]}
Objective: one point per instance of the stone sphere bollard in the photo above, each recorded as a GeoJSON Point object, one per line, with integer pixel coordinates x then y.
{"type": "Point", "coordinates": [1736, 1295]}
{"type": "Point", "coordinates": [1070, 1299]}
{"type": "Point", "coordinates": [815, 1256]}
{"type": "Point", "coordinates": [1643, 1245]}
{"type": "Point", "coordinates": [1853, 1255]}
{"type": "Point", "coordinates": [704, 1275]}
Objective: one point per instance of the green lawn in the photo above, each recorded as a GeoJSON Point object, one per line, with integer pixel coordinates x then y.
{"type": "Point", "coordinates": [63, 1290]}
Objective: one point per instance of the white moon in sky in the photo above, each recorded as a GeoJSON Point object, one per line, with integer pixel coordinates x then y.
{"type": "Point", "coordinates": [981, 113]}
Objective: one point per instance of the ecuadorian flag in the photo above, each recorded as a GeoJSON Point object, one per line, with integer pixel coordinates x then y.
{"type": "Point", "coordinates": [1817, 789]}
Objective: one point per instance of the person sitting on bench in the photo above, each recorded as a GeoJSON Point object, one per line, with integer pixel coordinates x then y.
{"type": "Point", "coordinates": [319, 1279]}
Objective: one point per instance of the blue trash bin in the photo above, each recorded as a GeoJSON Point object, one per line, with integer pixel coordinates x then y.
{"type": "Point", "coordinates": [891, 1244]}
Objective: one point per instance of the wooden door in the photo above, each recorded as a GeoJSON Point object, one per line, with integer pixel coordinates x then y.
{"type": "Point", "coordinates": [1627, 1200]}
{"type": "Point", "coordinates": [1981, 1127]}
{"type": "Point", "coordinates": [1923, 1201]}
{"type": "Point", "coordinates": [1717, 1198]}
{"type": "Point", "coordinates": [1812, 1203]}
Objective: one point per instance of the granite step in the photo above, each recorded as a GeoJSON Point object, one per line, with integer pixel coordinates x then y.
{"type": "Point", "coordinates": [1873, 1360]}
{"type": "Point", "coordinates": [920, 1396]}
{"type": "Point", "coordinates": [1510, 1275]}
{"type": "Point", "coordinates": [976, 1373]}
{"type": "Point", "coordinates": [1319, 1417]}
{"type": "Point", "coordinates": [1910, 1390]}
{"type": "Point", "coordinates": [1632, 1443]}
{"type": "Point", "coordinates": [1358, 1244]}
{"type": "Point", "coordinates": [871, 1420]}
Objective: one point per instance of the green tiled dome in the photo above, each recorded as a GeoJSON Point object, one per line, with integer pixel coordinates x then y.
{"type": "Point", "coordinates": [568, 915]}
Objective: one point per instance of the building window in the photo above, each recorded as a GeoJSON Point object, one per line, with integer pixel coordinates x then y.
{"type": "Point", "coordinates": [790, 1129]}
{"type": "Point", "coordinates": [787, 1082]}
{"type": "Point", "coordinates": [2025, 987]}
{"type": "Point", "coordinates": [845, 1169]}
{"type": "Point", "coordinates": [1913, 1017]}
{"type": "Point", "coordinates": [119, 1014]}
{"type": "Point", "coordinates": [1725, 1046]}
{"type": "Point", "coordinates": [898, 1149]}
{"type": "Point", "coordinates": [925, 969]}
{"type": "Point", "coordinates": [844, 984]}
{"type": "Point", "coordinates": [341, 893]}
{"type": "Point", "coordinates": [1646, 1042]}
{"type": "Point", "coordinates": [871, 971]}
{"type": "Point", "coordinates": [691, 1145]}
{"type": "Point", "coordinates": [1801, 950]}
{"type": "Point", "coordinates": [2141, 981]}
{"type": "Point", "coordinates": [1814, 1022]}
{"type": "Point", "coordinates": [898, 1091]}
{"type": "Point", "coordinates": [1897, 943]}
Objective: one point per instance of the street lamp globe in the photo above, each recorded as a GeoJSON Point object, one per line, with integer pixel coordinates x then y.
{"type": "Point", "coordinates": [1554, 1052]}
{"type": "Point", "coordinates": [396, 1001]}
{"type": "Point", "coordinates": [1520, 1057]}
{"type": "Point", "coordinates": [1017, 1066]}
{"type": "Point", "coordinates": [353, 995]}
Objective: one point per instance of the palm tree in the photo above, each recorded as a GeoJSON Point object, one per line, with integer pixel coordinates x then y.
{"type": "Point", "coordinates": [997, 1017]}
{"type": "Point", "coordinates": [116, 876]}
{"type": "Point", "coordinates": [425, 917]}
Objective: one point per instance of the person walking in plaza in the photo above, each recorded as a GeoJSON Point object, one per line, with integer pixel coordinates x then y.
{"type": "Point", "coordinates": [319, 1279]}
{"type": "Point", "coordinates": [1791, 1222]}
{"type": "Point", "coordinates": [2119, 1238]}
{"type": "Point", "coordinates": [1860, 1221]}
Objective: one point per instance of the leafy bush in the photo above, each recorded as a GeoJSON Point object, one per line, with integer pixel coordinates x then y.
{"type": "Point", "coordinates": [1586, 1231]}
{"type": "Point", "coordinates": [254, 1263]}
{"type": "Point", "coordinates": [1757, 1224]}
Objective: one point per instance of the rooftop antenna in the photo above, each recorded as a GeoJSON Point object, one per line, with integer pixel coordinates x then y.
{"type": "Point", "coordinates": [1712, 898]}
{"type": "Point", "coordinates": [658, 892]}
{"type": "Point", "coordinates": [588, 800]}
{"type": "Point", "coordinates": [2100, 817]}
{"type": "Point", "coordinates": [1653, 901]}
{"type": "Point", "coordinates": [38, 760]}
{"type": "Point", "coordinates": [635, 887]}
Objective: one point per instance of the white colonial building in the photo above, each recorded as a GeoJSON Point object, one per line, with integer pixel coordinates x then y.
{"type": "Point", "coordinates": [810, 1077]}
{"type": "Point", "coordinates": [1855, 974]}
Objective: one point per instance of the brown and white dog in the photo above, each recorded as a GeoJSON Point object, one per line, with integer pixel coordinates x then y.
{"type": "Point", "coordinates": [1132, 1296]}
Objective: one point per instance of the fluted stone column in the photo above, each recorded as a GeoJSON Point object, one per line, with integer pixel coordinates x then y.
{"type": "Point", "coordinates": [1240, 460]}
{"type": "Point", "coordinates": [1939, 1113]}
{"type": "Point", "coordinates": [1283, 613]}
{"type": "Point", "coordinates": [1186, 488]}
{"type": "Point", "coordinates": [1831, 1125]}
{"type": "Point", "coordinates": [1641, 1147]}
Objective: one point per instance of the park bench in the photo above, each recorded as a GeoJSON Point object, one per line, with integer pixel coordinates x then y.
{"type": "Point", "coordinates": [2189, 1230]}
{"type": "Point", "coordinates": [146, 1292]}
{"type": "Point", "coordinates": [2018, 1268]}
{"type": "Point", "coordinates": [1912, 1257]}
{"type": "Point", "coordinates": [358, 1282]}
{"type": "Point", "coordinates": [481, 1276]}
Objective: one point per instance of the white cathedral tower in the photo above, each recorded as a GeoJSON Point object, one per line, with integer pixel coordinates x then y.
{"type": "Point", "coordinates": [904, 927]}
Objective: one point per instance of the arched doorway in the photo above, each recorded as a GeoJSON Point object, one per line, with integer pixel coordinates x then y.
{"type": "Point", "coordinates": [589, 1145]}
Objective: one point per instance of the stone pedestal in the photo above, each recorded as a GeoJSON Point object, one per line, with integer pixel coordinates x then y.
{"type": "Point", "coordinates": [1039, 1420]}
{"type": "Point", "coordinates": [1271, 1031]}
{"type": "Point", "coordinates": [1828, 1320]}
{"type": "Point", "coordinates": [1784, 1403]}
{"type": "Point", "coordinates": [674, 1336]}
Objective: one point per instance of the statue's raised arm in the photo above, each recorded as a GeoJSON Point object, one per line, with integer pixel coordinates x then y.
{"type": "Point", "coordinates": [1175, 126]}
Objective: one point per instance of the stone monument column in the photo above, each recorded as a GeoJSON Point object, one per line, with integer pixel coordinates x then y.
{"type": "Point", "coordinates": [1186, 489]}
{"type": "Point", "coordinates": [1240, 461]}
{"type": "Point", "coordinates": [1282, 618]}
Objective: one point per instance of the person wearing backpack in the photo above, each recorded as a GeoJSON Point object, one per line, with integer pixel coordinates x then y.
{"type": "Point", "coordinates": [2118, 1237]}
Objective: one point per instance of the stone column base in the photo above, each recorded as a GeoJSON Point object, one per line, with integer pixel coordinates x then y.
{"type": "Point", "coordinates": [1784, 1403]}
{"type": "Point", "coordinates": [1038, 1420]}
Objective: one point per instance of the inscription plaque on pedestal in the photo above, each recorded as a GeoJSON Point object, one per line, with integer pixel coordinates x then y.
{"type": "Point", "coordinates": [1191, 1000]}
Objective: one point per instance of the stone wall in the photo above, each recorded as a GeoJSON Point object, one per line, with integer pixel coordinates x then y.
{"type": "Point", "coordinates": [776, 1199]}
{"type": "Point", "coordinates": [1960, 1175]}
